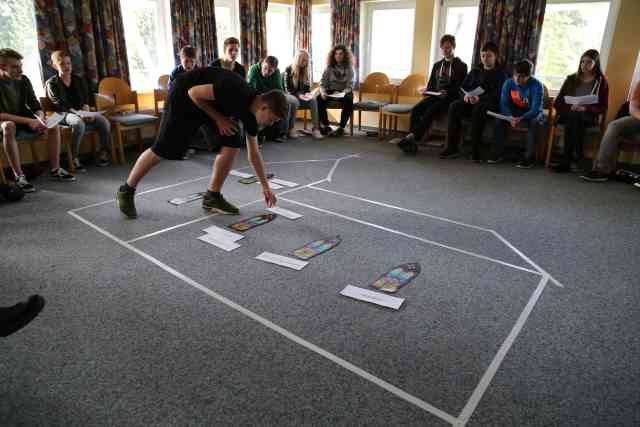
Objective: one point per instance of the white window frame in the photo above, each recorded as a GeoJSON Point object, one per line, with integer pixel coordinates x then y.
{"type": "Point", "coordinates": [234, 6]}
{"type": "Point", "coordinates": [283, 62]}
{"type": "Point", "coordinates": [442, 24]}
{"type": "Point", "coordinates": [318, 8]}
{"type": "Point", "coordinates": [366, 18]}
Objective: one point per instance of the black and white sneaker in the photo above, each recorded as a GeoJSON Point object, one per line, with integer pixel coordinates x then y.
{"type": "Point", "coordinates": [525, 164]}
{"type": "Point", "coordinates": [595, 176]}
{"type": "Point", "coordinates": [79, 167]}
{"type": "Point", "coordinates": [26, 186]}
{"type": "Point", "coordinates": [61, 175]}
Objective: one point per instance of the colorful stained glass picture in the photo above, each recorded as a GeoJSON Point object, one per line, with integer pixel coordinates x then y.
{"type": "Point", "coordinates": [398, 277]}
{"type": "Point", "coordinates": [255, 221]}
{"type": "Point", "coordinates": [317, 247]}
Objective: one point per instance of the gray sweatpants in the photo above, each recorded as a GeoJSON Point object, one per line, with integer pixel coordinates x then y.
{"type": "Point", "coordinates": [608, 153]}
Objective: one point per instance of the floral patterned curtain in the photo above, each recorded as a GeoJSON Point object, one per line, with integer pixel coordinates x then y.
{"type": "Point", "coordinates": [193, 22]}
{"type": "Point", "coordinates": [91, 31]}
{"type": "Point", "coordinates": [514, 25]}
{"type": "Point", "coordinates": [302, 26]}
{"type": "Point", "coordinates": [253, 30]}
{"type": "Point", "coordinates": [345, 29]}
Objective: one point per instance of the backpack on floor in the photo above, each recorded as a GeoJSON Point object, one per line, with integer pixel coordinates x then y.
{"type": "Point", "coordinates": [11, 193]}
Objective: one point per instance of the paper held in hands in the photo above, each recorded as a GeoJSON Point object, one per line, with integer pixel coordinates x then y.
{"type": "Point", "coordinates": [337, 95]}
{"type": "Point", "coordinates": [423, 91]}
{"type": "Point", "coordinates": [500, 116]}
{"type": "Point", "coordinates": [581, 100]}
{"type": "Point", "coordinates": [476, 92]}
{"type": "Point", "coordinates": [52, 121]}
{"type": "Point", "coordinates": [306, 97]}
{"type": "Point", "coordinates": [88, 114]}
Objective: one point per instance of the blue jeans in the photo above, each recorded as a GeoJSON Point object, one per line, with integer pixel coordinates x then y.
{"type": "Point", "coordinates": [533, 125]}
{"type": "Point", "coordinates": [79, 127]}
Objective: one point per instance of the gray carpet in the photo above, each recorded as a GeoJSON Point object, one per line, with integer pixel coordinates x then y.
{"type": "Point", "coordinates": [123, 342]}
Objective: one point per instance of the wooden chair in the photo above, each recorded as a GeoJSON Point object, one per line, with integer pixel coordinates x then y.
{"type": "Point", "coordinates": [405, 97]}
{"type": "Point", "coordinates": [160, 94]}
{"type": "Point", "coordinates": [376, 84]}
{"type": "Point", "coordinates": [163, 82]}
{"type": "Point", "coordinates": [557, 130]}
{"type": "Point", "coordinates": [116, 97]}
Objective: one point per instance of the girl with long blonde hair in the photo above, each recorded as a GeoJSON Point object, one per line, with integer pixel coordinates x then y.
{"type": "Point", "coordinates": [297, 84]}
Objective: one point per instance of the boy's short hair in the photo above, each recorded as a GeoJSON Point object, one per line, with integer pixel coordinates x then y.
{"type": "Point", "coordinates": [189, 52]}
{"type": "Point", "coordinates": [230, 41]}
{"type": "Point", "coordinates": [271, 60]}
{"type": "Point", "coordinates": [277, 102]}
{"type": "Point", "coordinates": [523, 67]}
{"type": "Point", "coordinates": [490, 47]}
{"type": "Point", "coordinates": [58, 56]}
{"type": "Point", "coordinates": [10, 53]}
{"type": "Point", "coordinates": [448, 38]}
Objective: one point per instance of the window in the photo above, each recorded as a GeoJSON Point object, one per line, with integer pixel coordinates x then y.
{"type": "Point", "coordinates": [569, 29]}
{"type": "Point", "coordinates": [147, 33]}
{"type": "Point", "coordinates": [320, 39]}
{"type": "Point", "coordinates": [460, 19]}
{"type": "Point", "coordinates": [227, 22]}
{"type": "Point", "coordinates": [388, 38]}
{"type": "Point", "coordinates": [280, 33]}
{"type": "Point", "coordinates": [18, 23]}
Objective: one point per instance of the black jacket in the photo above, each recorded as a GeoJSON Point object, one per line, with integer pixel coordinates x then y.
{"type": "Point", "coordinates": [490, 80]}
{"type": "Point", "coordinates": [237, 67]}
{"type": "Point", "coordinates": [457, 76]}
{"type": "Point", "coordinates": [289, 85]}
{"type": "Point", "coordinates": [65, 98]}
{"type": "Point", "coordinates": [27, 98]}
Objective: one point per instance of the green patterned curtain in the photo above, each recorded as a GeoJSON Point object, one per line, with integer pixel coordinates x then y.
{"type": "Point", "coordinates": [91, 31]}
{"type": "Point", "coordinates": [193, 22]}
{"type": "Point", "coordinates": [253, 30]}
{"type": "Point", "coordinates": [345, 29]}
{"type": "Point", "coordinates": [514, 25]}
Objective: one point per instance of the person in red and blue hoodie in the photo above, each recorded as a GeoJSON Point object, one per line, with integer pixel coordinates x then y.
{"type": "Point", "coordinates": [521, 99]}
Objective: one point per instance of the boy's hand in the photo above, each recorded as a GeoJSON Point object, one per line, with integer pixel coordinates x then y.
{"type": "Point", "coordinates": [269, 197]}
{"type": "Point", "coordinates": [515, 121]}
{"type": "Point", "coordinates": [226, 126]}
{"type": "Point", "coordinates": [36, 126]}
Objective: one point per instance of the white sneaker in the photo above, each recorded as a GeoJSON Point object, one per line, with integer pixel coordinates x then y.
{"type": "Point", "coordinates": [79, 167]}
{"type": "Point", "coordinates": [25, 185]}
{"type": "Point", "coordinates": [317, 134]}
{"type": "Point", "coordinates": [293, 134]}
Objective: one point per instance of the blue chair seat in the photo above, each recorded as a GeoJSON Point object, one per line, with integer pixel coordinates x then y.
{"type": "Point", "coordinates": [369, 105]}
{"type": "Point", "coordinates": [398, 108]}
{"type": "Point", "coordinates": [133, 119]}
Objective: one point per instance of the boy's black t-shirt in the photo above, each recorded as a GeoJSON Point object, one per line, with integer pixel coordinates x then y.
{"type": "Point", "coordinates": [233, 96]}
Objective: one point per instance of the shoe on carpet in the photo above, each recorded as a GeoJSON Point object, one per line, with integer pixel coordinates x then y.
{"type": "Point", "coordinates": [79, 166]}
{"type": "Point", "coordinates": [25, 185]}
{"type": "Point", "coordinates": [525, 164]}
{"type": "Point", "coordinates": [61, 175]}
{"type": "Point", "coordinates": [18, 316]}
{"type": "Point", "coordinates": [126, 203]}
{"type": "Point", "coordinates": [317, 134]}
{"type": "Point", "coordinates": [450, 153]}
{"type": "Point", "coordinates": [595, 176]}
{"type": "Point", "coordinates": [337, 133]}
{"type": "Point", "coordinates": [219, 204]}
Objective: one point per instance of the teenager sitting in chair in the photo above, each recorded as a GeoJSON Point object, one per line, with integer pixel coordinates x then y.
{"type": "Point", "coordinates": [489, 77]}
{"type": "Point", "coordinates": [589, 80]}
{"type": "Point", "coordinates": [21, 117]}
{"type": "Point", "coordinates": [446, 77]}
{"type": "Point", "coordinates": [69, 92]}
{"type": "Point", "coordinates": [188, 62]}
{"type": "Point", "coordinates": [297, 84]}
{"type": "Point", "coordinates": [228, 61]}
{"type": "Point", "coordinates": [336, 78]}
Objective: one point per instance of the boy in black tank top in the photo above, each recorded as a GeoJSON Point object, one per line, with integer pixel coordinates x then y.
{"type": "Point", "coordinates": [221, 99]}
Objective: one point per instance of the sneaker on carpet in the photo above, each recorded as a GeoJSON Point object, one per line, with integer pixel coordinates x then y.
{"type": "Point", "coordinates": [450, 153]}
{"type": "Point", "coordinates": [25, 185]}
{"type": "Point", "coordinates": [317, 134]}
{"type": "Point", "coordinates": [61, 175]}
{"type": "Point", "coordinates": [637, 184]}
{"type": "Point", "coordinates": [525, 164]}
{"type": "Point", "coordinates": [595, 176]}
{"type": "Point", "coordinates": [126, 203]}
{"type": "Point", "coordinates": [18, 316]}
{"type": "Point", "coordinates": [325, 130]}
{"type": "Point", "coordinates": [337, 133]}
{"type": "Point", "coordinates": [79, 167]}
{"type": "Point", "coordinates": [219, 204]}
{"type": "Point", "coordinates": [293, 134]}
{"type": "Point", "coordinates": [495, 160]}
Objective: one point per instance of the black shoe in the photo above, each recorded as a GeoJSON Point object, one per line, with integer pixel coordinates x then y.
{"type": "Point", "coordinates": [450, 153]}
{"type": "Point", "coordinates": [219, 204]}
{"type": "Point", "coordinates": [560, 168]}
{"type": "Point", "coordinates": [126, 203]}
{"type": "Point", "coordinates": [61, 175]}
{"type": "Point", "coordinates": [525, 164]}
{"type": "Point", "coordinates": [595, 176]}
{"type": "Point", "coordinates": [495, 160]}
{"type": "Point", "coordinates": [337, 133]}
{"type": "Point", "coordinates": [411, 148]}
{"type": "Point", "coordinates": [325, 130]}
{"type": "Point", "coordinates": [14, 318]}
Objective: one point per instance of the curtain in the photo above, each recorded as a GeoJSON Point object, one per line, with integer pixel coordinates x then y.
{"type": "Point", "coordinates": [514, 25]}
{"type": "Point", "coordinates": [345, 29]}
{"type": "Point", "coordinates": [253, 30]}
{"type": "Point", "coordinates": [302, 26]}
{"type": "Point", "coordinates": [91, 31]}
{"type": "Point", "coordinates": [193, 22]}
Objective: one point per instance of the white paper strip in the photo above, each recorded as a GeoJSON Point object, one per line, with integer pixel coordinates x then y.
{"type": "Point", "coordinates": [476, 92]}
{"type": "Point", "coordinates": [283, 182]}
{"type": "Point", "coordinates": [581, 100]}
{"type": "Point", "coordinates": [190, 198]}
{"type": "Point", "coordinates": [214, 240]}
{"type": "Point", "coordinates": [499, 116]}
{"type": "Point", "coordinates": [372, 297]}
{"type": "Point", "coordinates": [240, 174]}
{"type": "Point", "coordinates": [285, 213]}
{"type": "Point", "coordinates": [284, 261]}
{"type": "Point", "coordinates": [222, 234]}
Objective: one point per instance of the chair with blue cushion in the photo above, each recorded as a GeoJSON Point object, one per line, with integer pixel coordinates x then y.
{"type": "Point", "coordinates": [121, 103]}
{"type": "Point", "coordinates": [375, 85]}
{"type": "Point", "coordinates": [405, 97]}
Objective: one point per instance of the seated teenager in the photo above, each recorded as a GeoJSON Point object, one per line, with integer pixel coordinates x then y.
{"type": "Point", "coordinates": [188, 62]}
{"type": "Point", "coordinates": [336, 78]}
{"type": "Point", "coordinates": [228, 60]}
{"type": "Point", "coordinates": [589, 80]}
{"type": "Point", "coordinates": [21, 117]}
{"type": "Point", "coordinates": [264, 77]}
{"type": "Point", "coordinates": [297, 84]}
{"type": "Point", "coordinates": [489, 77]}
{"type": "Point", "coordinates": [628, 127]}
{"type": "Point", "coordinates": [69, 92]}
{"type": "Point", "coordinates": [521, 99]}
{"type": "Point", "coordinates": [446, 77]}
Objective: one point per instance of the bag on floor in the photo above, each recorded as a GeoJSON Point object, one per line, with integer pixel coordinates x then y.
{"type": "Point", "coordinates": [11, 193]}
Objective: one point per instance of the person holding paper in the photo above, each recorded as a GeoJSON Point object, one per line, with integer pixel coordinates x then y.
{"type": "Point", "coordinates": [486, 80]}
{"type": "Point", "coordinates": [68, 92]}
{"type": "Point", "coordinates": [21, 117]}
{"type": "Point", "coordinates": [336, 78]}
{"type": "Point", "coordinates": [521, 100]}
{"type": "Point", "coordinates": [626, 126]}
{"type": "Point", "coordinates": [445, 79]}
{"type": "Point", "coordinates": [297, 84]}
{"type": "Point", "coordinates": [223, 98]}
{"type": "Point", "coordinates": [589, 80]}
